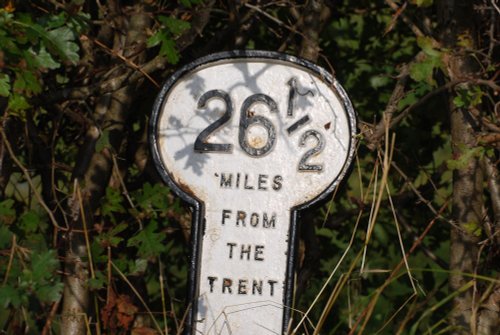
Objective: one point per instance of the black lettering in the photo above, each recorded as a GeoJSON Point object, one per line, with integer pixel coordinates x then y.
{"type": "Point", "coordinates": [254, 219]}
{"type": "Point", "coordinates": [211, 283]}
{"type": "Point", "coordinates": [231, 246]}
{"type": "Point", "coordinates": [227, 283]}
{"type": "Point", "coordinates": [259, 250]}
{"type": "Point", "coordinates": [245, 251]}
{"type": "Point", "coordinates": [225, 215]}
{"type": "Point", "coordinates": [266, 223]}
{"type": "Point", "coordinates": [247, 187]}
{"type": "Point", "coordinates": [262, 181]}
{"type": "Point", "coordinates": [240, 218]}
{"type": "Point", "coordinates": [242, 286]}
{"type": "Point", "coordinates": [238, 180]}
{"type": "Point", "coordinates": [257, 286]}
{"type": "Point", "coordinates": [226, 180]}
{"type": "Point", "coordinates": [271, 286]}
{"type": "Point", "coordinates": [277, 182]}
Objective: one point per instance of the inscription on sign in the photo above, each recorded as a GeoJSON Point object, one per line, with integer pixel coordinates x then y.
{"type": "Point", "coordinates": [249, 138]}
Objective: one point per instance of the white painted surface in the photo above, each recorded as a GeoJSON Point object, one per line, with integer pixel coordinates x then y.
{"type": "Point", "coordinates": [180, 122]}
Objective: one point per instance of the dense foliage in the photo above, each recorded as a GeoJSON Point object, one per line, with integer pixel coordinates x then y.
{"type": "Point", "coordinates": [83, 210]}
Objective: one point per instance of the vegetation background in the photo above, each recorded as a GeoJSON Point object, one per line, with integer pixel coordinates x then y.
{"type": "Point", "coordinates": [91, 241]}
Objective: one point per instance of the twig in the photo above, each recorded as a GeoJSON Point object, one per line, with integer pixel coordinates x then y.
{"type": "Point", "coordinates": [392, 107]}
{"type": "Point", "coordinates": [416, 30]}
{"type": "Point", "coordinates": [127, 61]}
{"type": "Point", "coordinates": [274, 19]}
{"type": "Point", "coordinates": [378, 131]}
{"type": "Point", "coordinates": [50, 317]}
{"type": "Point", "coordinates": [11, 258]}
{"type": "Point", "coordinates": [494, 3]}
{"type": "Point", "coordinates": [162, 292]}
{"type": "Point", "coordinates": [124, 187]}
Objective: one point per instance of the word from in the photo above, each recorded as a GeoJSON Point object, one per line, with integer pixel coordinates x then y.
{"type": "Point", "coordinates": [268, 221]}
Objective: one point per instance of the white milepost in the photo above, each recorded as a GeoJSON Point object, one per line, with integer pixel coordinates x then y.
{"type": "Point", "coordinates": [249, 138]}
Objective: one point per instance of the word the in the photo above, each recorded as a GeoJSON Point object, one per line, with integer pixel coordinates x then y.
{"type": "Point", "coordinates": [245, 251]}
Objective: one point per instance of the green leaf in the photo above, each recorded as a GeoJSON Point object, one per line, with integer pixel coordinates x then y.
{"type": "Point", "coordinates": [424, 70]}
{"type": "Point", "coordinates": [112, 202]}
{"type": "Point", "coordinates": [468, 97]}
{"type": "Point", "coordinates": [473, 228]}
{"type": "Point", "coordinates": [27, 82]}
{"type": "Point", "coordinates": [175, 26]}
{"type": "Point", "coordinates": [459, 101]}
{"type": "Point", "coordinates": [43, 265]}
{"type": "Point", "coordinates": [30, 221]}
{"type": "Point", "coordinates": [45, 60]}
{"type": "Point", "coordinates": [61, 79]}
{"type": "Point", "coordinates": [49, 293]}
{"type": "Point", "coordinates": [96, 283]}
{"type": "Point", "coordinates": [102, 141]}
{"type": "Point", "coordinates": [4, 85]}
{"type": "Point", "coordinates": [17, 103]}
{"type": "Point", "coordinates": [148, 242]}
{"type": "Point", "coordinates": [9, 295]}
{"type": "Point", "coordinates": [156, 39]}
{"type": "Point", "coordinates": [379, 81]}
{"type": "Point", "coordinates": [465, 156]}
{"type": "Point", "coordinates": [427, 45]}
{"type": "Point", "coordinates": [5, 237]}
{"type": "Point", "coordinates": [423, 3]}
{"type": "Point", "coordinates": [409, 99]}
{"type": "Point", "coordinates": [6, 208]}
{"type": "Point", "coordinates": [139, 266]}
{"type": "Point", "coordinates": [62, 41]}
{"type": "Point", "coordinates": [153, 197]}
{"type": "Point", "coordinates": [168, 50]}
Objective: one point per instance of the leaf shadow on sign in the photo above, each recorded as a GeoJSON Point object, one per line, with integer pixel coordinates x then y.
{"type": "Point", "coordinates": [196, 86]}
{"type": "Point", "coordinates": [195, 162]}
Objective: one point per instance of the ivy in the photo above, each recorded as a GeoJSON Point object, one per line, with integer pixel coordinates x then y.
{"type": "Point", "coordinates": [149, 242]}
{"type": "Point", "coordinates": [468, 97]}
{"type": "Point", "coordinates": [165, 37]}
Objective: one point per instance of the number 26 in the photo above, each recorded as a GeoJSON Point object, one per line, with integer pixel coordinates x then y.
{"type": "Point", "coordinates": [248, 119]}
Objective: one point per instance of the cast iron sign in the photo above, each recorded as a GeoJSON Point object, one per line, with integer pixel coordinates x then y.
{"type": "Point", "coordinates": [249, 138]}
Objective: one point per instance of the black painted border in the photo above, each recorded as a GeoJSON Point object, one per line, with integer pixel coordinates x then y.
{"type": "Point", "coordinates": [197, 205]}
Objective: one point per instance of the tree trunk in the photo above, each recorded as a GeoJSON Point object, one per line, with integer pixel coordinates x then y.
{"type": "Point", "coordinates": [94, 168]}
{"type": "Point", "coordinates": [457, 20]}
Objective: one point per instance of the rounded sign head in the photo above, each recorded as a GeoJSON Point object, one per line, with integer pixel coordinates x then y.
{"type": "Point", "coordinates": [253, 120]}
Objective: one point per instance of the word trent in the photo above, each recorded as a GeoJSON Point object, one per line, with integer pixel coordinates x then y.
{"type": "Point", "coordinates": [242, 286]}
